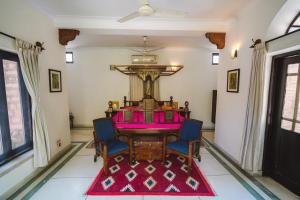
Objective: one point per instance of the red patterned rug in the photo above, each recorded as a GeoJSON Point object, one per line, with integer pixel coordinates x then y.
{"type": "Point", "coordinates": [150, 178]}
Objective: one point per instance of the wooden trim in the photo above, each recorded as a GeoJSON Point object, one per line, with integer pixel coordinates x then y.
{"type": "Point", "coordinates": [216, 38]}
{"type": "Point", "coordinates": [67, 35]}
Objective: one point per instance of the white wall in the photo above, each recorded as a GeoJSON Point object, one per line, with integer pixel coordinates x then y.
{"type": "Point", "coordinates": [18, 18]}
{"type": "Point", "coordinates": [92, 84]}
{"type": "Point", "coordinates": [252, 22]}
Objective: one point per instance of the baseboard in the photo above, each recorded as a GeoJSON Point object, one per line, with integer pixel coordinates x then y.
{"type": "Point", "coordinates": [20, 186]}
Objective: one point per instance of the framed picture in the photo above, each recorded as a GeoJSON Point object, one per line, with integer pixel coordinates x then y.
{"type": "Point", "coordinates": [233, 80]}
{"type": "Point", "coordinates": [55, 80]}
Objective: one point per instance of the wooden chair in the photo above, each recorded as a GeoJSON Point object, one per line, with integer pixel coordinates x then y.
{"type": "Point", "coordinates": [190, 134]}
{"type": "Point", "coordinates": [106, 141]}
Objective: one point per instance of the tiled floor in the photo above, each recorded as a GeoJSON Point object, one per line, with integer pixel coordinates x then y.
{"type": "Point", "coordinates": [75, 176]}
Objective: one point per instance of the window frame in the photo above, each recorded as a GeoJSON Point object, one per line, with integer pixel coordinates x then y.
{"type": "Point", "coordinates": [288, 61]}
{"type": "Point", "coordinates": [8, 152]}
{"type": "Point", "coordinates": [70, 62]}
{"type": "Point", "coordinates": [292, 25]}
{"type": "Point", "coordinates": [212, 58]}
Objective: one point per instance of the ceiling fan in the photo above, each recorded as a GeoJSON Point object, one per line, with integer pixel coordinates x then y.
{"type": "Point", "coordinates": [146, 10]}
{"type": "Point", "coordinates": [145, 50]}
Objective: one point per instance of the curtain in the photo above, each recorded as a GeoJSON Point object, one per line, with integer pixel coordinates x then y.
{"type": "Point", "coordinates": [136, 88]}
{"type": "Point", "coordinates": [136, 92]}
{"type": "Point", "coordinates": [156, 89]}
{"type": "Point", "coordinates": [253, 138]}
{"type": "Point", "coordinates": [28, 55]}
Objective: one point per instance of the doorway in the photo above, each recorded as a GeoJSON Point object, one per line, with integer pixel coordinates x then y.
{"type": "Point", "coordinates": [282, 141]}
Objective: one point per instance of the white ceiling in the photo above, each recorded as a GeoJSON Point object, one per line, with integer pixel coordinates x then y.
{"type": "Point", "coordinates": [204, 9]}
{"type": "Point", "coordinates": [97, 21]}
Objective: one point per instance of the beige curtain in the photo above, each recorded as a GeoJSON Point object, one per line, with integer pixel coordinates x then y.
{"type": "Point", "coordinates": [253, 139]}
{"type": "Point", "coordinates": [28, 55]}
{"type": "Point", "coordinates": [156, 89]}
{"type": "Point", "coordinates": [136, 92]}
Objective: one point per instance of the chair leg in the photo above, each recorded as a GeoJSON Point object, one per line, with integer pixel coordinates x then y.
{"type": "Point", "coordinates": [199, 158]}
{"type": "Point", "coordinates": [189, 165]}
{"type": "Point", "coordinates": [190, 158]}
{"type": "Point", "coordinates": [105, 159]}
{"type": "Point", "coordinates": [105, 167]}
{"type": "Point", "coordinates": [130, 151]}
{"type": "Point", "coordinates": [164, 149]}
{"type": "Point", "coordinates": [95, 157]}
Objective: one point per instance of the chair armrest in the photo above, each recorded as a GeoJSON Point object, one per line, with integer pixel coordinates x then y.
{"type": "Point", "coordinates": [122, 134]}
{"type": "Point", "coordinates": [194, 141]}
{"type": "Point", "coordinates": [173, 134]}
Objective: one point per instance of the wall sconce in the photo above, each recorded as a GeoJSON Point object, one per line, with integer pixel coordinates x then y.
{"type": "Point", "coordinates": [235, 54]}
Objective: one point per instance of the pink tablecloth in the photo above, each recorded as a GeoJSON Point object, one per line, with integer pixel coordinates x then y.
{"type": "Point", "coordinates": [148, 126]}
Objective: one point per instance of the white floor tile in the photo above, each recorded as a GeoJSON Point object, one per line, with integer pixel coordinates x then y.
{"type": "Point", "coordinates": [64, 189]}
{"type": "Point", "coordinates": [210, 166]}
{"type": "Point", "coordinates": [115, 198]}
{"type": "Point", "coordinates": [86, 151]}
{"type": "Point", "coordinates": [171, 198]}
{"type": "Point", "coordinates": [226, 187]}
{"type": "Point", "coordinates": [280, 191]}
{"type": "Point", "coordinates": [80, 167]}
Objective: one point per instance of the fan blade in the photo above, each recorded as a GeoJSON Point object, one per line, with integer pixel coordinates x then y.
{"type": "Point", "coordinates": [169, 13]}
{"type": "Point", "coordinates": [154, 49]}
{"type": "Point", "coordinates": [137, 50]}
{"type": "Point", "coordinates": [129, 17]}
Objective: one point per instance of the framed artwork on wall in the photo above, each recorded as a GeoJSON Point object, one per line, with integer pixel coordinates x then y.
{"type": "Point", "coordinates": [233, 80]}
{"type": "Point", "coordinates": [55, 80]}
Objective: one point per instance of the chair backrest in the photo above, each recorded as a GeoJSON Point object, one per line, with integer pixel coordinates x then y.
{"type": "Point", "coordinates": [191, 129]}
{"type": "Point", "coordinates": [104, 129]}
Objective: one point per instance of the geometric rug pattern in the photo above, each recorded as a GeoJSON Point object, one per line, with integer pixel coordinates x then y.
{"type": "Point", "coordinates": [150, 178]}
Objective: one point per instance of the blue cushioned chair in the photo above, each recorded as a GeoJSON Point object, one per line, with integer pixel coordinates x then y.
{"type": "Point", "coordinates": [190, 134]}
{"type": "Point", "coordinates": [106, 141]}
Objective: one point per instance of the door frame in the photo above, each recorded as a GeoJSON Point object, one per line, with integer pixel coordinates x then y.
{"type": "Point", "coordinates": [268, 155]}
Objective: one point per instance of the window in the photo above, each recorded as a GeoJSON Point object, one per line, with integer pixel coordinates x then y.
{"type": "Point", "coordinates": [15, 116]}
{"type": "Point", "coordinates": [69, 57]}
{"type": "Point", "coordinates": [290, 119]}
{"type": "Point", "coordinates": [294, 25]}
{"type": "Point", "coordinates": [215, 58]}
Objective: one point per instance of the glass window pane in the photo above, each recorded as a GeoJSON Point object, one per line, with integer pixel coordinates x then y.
{"type": "Point", "coordinates": [287, 125]}
{"type": "Point", "coordinates": [69, 57]}
{"type": "Point", "coordinates": [290, 97]}
{"type": "Point", "coordinates": [297, 22]}
{"type": "Point", "coordinates": [14, 106]}
{"type": "Point", "coordinates": [293, 68]}
{"type": "Point", "coordinates": [297, 128]}
{"type": "Point", "coordinates": [293, 29]}
{"type": "Point", "coordinates": [215, 58]}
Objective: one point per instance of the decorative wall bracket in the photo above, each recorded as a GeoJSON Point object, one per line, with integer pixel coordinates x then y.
{"type": "Point", "coordinates": [67, 35]}
{"type": "Point", "coordinates": [217, 39]}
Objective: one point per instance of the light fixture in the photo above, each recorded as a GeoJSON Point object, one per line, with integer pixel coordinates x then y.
{"type": "Point", "coordinates": [164, 70]}
{"type": "Point", "coordinates": [235, 54]}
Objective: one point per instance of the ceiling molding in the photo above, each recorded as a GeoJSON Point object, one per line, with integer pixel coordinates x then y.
{"type": "Point", "coordinates": [217, 39]}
